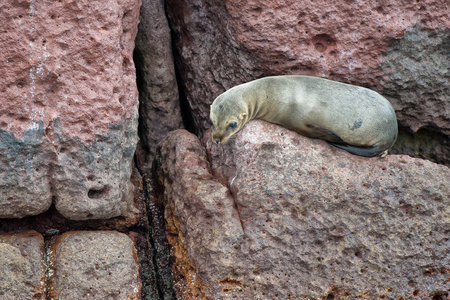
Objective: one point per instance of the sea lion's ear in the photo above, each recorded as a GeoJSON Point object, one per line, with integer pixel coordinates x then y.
{"type": "Point", "coordinates": [243, 115]}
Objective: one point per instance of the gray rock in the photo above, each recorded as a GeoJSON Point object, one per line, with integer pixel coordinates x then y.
{"type": "Point", "coordinates": [25, 163]}
{"type": "Point", "coordinates": [418, 76]}
{"type": "Point", "coordinates": [158, 91]}
{"type": "Point", "coordinates": [22, 266]}
{"type": "Point", "coordinates": [94, 265]}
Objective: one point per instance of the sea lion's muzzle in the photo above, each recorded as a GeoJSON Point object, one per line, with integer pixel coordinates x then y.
{"type": "Point", "coordinates": [217, 139]}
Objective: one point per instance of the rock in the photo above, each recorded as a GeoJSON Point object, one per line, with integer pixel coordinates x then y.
{"type": "Point", "coordinates": [397, 49]}
{"type": "Point", "coordinates": [94, 265]}
{"type": "Point", "coordinates": [158, 91]}
{"type": "Point", "coordinates": [418, 78]}
{"type": "Point", "coordinates": [22, 265]}
{"type": "Point", "coordinates": [69, 126]}
{"type": "Point", "coordinates": [24, 167]}
{"type": "Point", "coordinates": [52, 221]}
{"type": "Point", "coordinates": [198, 210]}
{"type": "Point", "coordinates": [287, 217]}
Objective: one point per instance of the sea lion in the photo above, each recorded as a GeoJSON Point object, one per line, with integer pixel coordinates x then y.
{"type": "Point", "coordinates": [352, 118]}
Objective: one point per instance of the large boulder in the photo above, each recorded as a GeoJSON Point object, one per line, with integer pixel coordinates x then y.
{"type": "Point", "coordinates": [273, 214]}
{"type": "Point", "coordinates": [69, 110]}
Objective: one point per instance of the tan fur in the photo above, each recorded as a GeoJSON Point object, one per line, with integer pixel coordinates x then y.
{"type": "Point", "coordinates": [353, 118]}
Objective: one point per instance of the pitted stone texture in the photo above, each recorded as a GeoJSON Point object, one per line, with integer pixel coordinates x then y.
{"type": "Point", "coordinates": [159, 109]}
{"type": "Point", "coordinates": [311, 220]}
{"type": "Point", "coordinates": [69, 115]}
{"type": "Point", "coordinates": [22, 266]}
{"type": "Point", "coordinates": [94, 265]}
{"type": "Point", "coordinates": [198, 210]}
{"type": "Point", "coordinates": [418, 81]}
{"type": "Point", "coordinates": [394, 47]}
{"type": "Point", "coordinates": [24, 167]}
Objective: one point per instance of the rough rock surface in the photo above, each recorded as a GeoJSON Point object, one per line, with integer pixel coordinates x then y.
{"type": "Point", "coordinates": [94, 265]}
{"type": "Point", "coordinates": [418, 76]}
{"type": "Point", "coordinates": [198, 210]}
{"type": "Point", "coordinates": [68, 125]}
{"type": "Point", "coordinates": [22, 266]}
{"type": "Point", "coordinates": [397, 48]}
{"type": "Point", "coordinates": [290, 218]}
{"type": "Point", "coordinates": [159, 109]}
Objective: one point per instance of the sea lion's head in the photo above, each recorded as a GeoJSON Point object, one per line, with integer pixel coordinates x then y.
{"type": "Point", "coordinates": [227, 117]}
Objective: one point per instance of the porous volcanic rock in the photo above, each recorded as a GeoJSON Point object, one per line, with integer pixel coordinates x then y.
{"type": "Point", "coordinates": [159, 108]}
{"type": "Point", "coordinates": [22, 266]}
{"type": "Point", "coordinates": [68, 127]}
{"type": "Point", "coordinates": [398, 48]}
{"type": "Point", "coordinates": [198, 210]}
{"type": "Point", "coordinates": [287, 217]}
{"type": "Point", "coordinates": [94, 265]}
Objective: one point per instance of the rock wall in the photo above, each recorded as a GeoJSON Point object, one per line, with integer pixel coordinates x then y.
{"type": "Point", "coordinates": [269, 215]}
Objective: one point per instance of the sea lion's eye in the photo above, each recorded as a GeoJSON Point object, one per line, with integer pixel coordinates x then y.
{"type": "Point", "coordinates": [233, 125]}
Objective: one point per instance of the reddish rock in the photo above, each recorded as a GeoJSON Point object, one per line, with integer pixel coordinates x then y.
{"type": "Point", "coordinates": [287, 217]}
{"type": "Point", "coordinates": [22, 266]}
{"type": "Point", "coordinates": [198, 210]}
{"type": "Point", "coordinates": [68, 125]}
{"type": "Point", "coordinates": [394, 47]}
{"type": "Point", "coordinates": [94, 265]}
{"type": "Point", "coordinates": [159, 109]}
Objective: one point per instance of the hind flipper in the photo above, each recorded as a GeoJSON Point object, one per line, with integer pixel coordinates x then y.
{"type": "Point", "coordinates": [362, 151]}
{"type": "Point", "coordinates": [322, 133]}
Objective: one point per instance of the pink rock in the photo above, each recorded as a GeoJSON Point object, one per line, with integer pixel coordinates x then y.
{"type": "Point", "coordinates": [198, 210]}
{"type": "Point", "coordinates": [68, 125]}
{"type": "Point", "coordinates": [288, 217]}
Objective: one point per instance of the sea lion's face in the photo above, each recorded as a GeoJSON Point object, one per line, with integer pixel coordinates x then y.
{"type": "Point", "coordinates": [225, 121]}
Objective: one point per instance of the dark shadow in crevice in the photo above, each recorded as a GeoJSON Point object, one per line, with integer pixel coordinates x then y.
{"type": "Point", "coordinates": [426, 143]}
{"type": "Point", "coordinates": [185, 108]}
